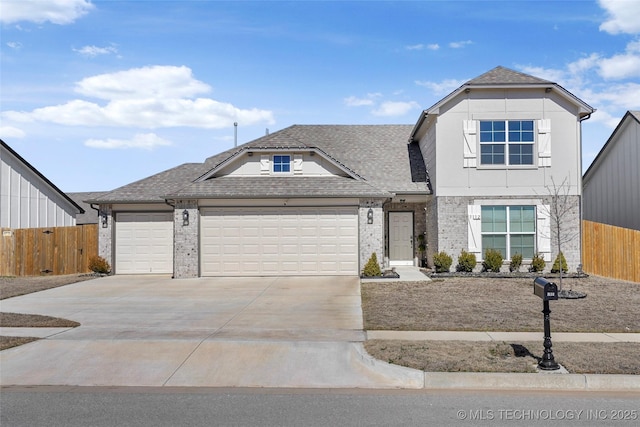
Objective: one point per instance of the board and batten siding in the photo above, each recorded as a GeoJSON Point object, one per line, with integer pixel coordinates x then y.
{"type": "Point", "coordinates": [27, 200]}
{"type": "Point", "coordinates": [611, 186]}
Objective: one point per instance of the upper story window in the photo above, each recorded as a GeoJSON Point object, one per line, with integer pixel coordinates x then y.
{"type": "Point", "coordinates": [282, 164]}
{"type": "Point", "coordinates": [506, 142]}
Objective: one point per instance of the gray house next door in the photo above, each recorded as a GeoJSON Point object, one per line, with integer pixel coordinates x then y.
{"type": "Point", "coordinates": [401, 238]}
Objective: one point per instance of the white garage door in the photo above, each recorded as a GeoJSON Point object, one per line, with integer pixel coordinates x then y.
{"type": "Point", "coordinates": [279, 241]}
{"type": "Point", "coordinates": [144, 243]}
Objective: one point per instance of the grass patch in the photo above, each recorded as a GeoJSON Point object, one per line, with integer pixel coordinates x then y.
{"type": "Point", "coordinates": [521, 357]}
{"type": "Point", "coordinates": [19, 320]}
{"type": "Point", "coordinates": [16, 286]}
{"type": "Point", "coordinates": [492, 304]}
{"type": "Point", "coordinates": [8, 342]}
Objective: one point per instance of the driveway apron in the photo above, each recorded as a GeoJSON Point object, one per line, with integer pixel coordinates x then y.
{"type": "Point", "coordinates": [214, 332]}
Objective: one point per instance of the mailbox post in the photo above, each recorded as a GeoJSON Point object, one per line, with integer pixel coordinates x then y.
{"type": "Point", "coordinates": [548, 291]}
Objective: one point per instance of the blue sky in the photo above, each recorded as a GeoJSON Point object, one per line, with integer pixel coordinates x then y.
{"type": "Point", "coordinates": [98, 94]}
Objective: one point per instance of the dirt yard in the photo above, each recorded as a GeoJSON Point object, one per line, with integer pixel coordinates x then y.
{"type": "Point", "coordinates": [479, 304]}
{"type": "Point", "coordinates": [472, 304]}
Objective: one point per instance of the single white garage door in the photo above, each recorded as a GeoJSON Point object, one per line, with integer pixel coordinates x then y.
{"type": "Point", "coordinates": [279, 241]}
{"type": "Point", "coordinates": [144, 243]}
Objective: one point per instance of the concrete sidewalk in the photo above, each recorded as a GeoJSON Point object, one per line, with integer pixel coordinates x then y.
{"type": "Point", "coordinates": [501, 336]}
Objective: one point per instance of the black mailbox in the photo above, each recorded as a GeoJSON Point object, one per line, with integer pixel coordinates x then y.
{"type": "Point", "coordinates": [545, 289]}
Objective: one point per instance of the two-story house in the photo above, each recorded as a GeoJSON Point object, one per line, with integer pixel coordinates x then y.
{"type": "Point", "coordinates": [495, 148]}
{"type": "Point", "coordinates": [320, 199]}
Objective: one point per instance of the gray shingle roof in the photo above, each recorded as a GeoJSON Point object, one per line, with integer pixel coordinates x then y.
{"type": "Point", "coordinates": [505, 76]}
{"type": "Point", "coordinates": [270, 186]}
{"type": "Point", "coordinates": [377, 156]}
{"type": "Point", "coordinates": [153, 188]}
{"type": "Point", "coordinates": [90, 216]}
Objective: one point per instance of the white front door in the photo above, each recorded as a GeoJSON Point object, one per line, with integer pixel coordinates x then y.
{"type": "Point", "coordinates": [401, 238]}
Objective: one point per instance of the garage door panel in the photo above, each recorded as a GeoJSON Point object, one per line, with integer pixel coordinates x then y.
{"type": "Point", "coordinates": [274, 241]}
{"type": "Point", "coordinates": [144, 243]}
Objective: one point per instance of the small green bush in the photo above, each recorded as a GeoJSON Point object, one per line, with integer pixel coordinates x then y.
{"type": "Point", "coordinates": [537, 263]}
{"type": "Point", "coordinates": [516, 262]}
{"type": "Point", "coordinates": [560, 260]}
{"type": "Point", "coordinates": [97, 264]}
{"type": "Point", "coordinates": [492, 261]}
{"type": "Point", "coordinates": [372, 268]}
{"type": "Point", "coordinates": [466, 261]}
{"type": "Point", "coordinates": [442, 261]}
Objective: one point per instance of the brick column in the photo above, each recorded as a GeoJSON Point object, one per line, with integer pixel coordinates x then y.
{"type": "Point", "coordinates": [186, 251]}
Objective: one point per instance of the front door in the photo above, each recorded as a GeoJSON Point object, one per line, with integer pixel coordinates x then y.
{"type": "Point", "coordinates": [401, 238]}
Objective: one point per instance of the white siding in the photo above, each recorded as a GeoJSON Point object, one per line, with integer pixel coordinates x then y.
{"type": "Point", "coordinates": [452, 178]}
{"type": "Point", "coordinates": [28, 201]}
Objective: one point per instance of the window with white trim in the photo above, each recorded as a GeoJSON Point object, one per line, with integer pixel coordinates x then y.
{"type": "Point", "coordinates": [281, 163]}
{"type": "Point", "coordinates": [506, 142]}
{"type": "Point", "coordinates": [509, 229]}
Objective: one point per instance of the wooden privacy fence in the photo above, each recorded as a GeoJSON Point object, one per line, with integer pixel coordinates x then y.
{"type": "Point", "coordinates": [610, 251]}
{"type": "Point", "coordinates": [50, 251]}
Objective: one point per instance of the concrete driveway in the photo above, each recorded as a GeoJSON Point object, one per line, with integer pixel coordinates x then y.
{"type": "Point", "coordinates": [220, 332]}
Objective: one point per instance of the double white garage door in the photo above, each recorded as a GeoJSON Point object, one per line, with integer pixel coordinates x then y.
{"type": "Point", "coordinates": [246, 242]}
{"type": "Point", "coordinates": [279, 241]}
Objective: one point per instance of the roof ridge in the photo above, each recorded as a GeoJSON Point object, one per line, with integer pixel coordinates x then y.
{"type": "Point", "coordinates": [503, 75]}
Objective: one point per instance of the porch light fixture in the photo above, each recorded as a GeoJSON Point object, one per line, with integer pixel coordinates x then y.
{"type": "Point", "coordinates": [104, 219]}
{"type": "Point", "coordinates": [370, 216]}
{"type": "Point", "coordinates": [185, 217]}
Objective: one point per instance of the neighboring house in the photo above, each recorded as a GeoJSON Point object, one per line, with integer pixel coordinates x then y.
{"type": "Point", "coordinates": [28, 199]}
{"type": "Point", "coordinates": [612, 182]}
{"type": "Point", "coordinates": [90, 215]}
{"type": "Point", "coordinates": [320, 199]}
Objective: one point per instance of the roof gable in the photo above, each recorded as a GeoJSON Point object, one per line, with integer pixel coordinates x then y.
{"type": "Point", "coordinates": [505, 76]}
{"type": "Point", "coordinates": [48, 183]}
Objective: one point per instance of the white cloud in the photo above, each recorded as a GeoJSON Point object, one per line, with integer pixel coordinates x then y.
{"type": "Point", "coordinates": [158, 81]}
{"type": "Point", "coordinates": [433, 46]}
{"type": "Point", "coordinates": [395, 108]}
{"type": "Point", "coordinates": [353, 101]}
{"type": "Point", "coordinates": [441, 88]}
{"type": "Point", "coordinates": [146, 141]}
{"type": "Point", "coordinates": [15, 45]}
{"type": "Point", "coordinates": [460, 44]}
{"type": "Point", "coordinates": [55, 11]}
{"type": "Point", "coordinates": [623, 65]}
{"type": "Point", "coordinates": [93, 51]}
{"type": "Point", "coordinates": [415, 47]}
{"type": "Point", "coordinates": [149, 98]}
{"type": "Point", "coordinates": [11, 132]}
{"type": "Point", "coordinates": [623, 16]}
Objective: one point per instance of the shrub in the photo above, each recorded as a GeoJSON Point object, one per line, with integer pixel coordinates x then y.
{"type": "Point", "coordinates": [560, 260]}
{"type": "Point", "coordinates": [442, 261]}
{"type": "Point", "coordinates": [372, 268]}
{"type": "Point", "coordinates": [492, 261]}
{"type": "Point", "coordinates": [516, 262]}
{"type": "Point", "coordinates": [97, 264]}
{"type": "Point", "coordinates": [466, 261]}
{"type": "Point", "coordinates": [537, 263]}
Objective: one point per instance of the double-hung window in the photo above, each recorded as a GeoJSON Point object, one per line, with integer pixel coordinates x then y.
{"type": "Point", "coordinates": [509, 229]}
{"type": "Point", "coordinates": [282, 164]}
{"type": "Point", "coordinates": [506, 142]}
